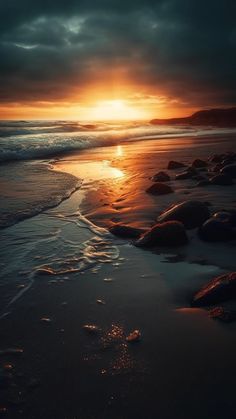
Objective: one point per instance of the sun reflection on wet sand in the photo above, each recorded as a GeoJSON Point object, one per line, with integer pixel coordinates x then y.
{"type": "Point", "coordinates": [91, 170]}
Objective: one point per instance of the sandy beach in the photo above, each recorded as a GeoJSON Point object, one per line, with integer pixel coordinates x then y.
{"type": "Point", "coordinates": [68, 271]}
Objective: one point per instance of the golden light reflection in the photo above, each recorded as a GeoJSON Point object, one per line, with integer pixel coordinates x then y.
{"type": "Point", "coordinates": [119, 151]}
{"type": "Point", "coordinates": [90, 170]}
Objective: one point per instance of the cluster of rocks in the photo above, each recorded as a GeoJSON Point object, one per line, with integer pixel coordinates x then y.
{"type": "Point", "coordinates": [219, 170]}
{"type": "Point", "coordinates": [171, 226]}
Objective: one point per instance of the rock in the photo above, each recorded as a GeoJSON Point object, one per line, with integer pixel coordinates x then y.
{"type": "Point", "coordinates": [170, 233]}
{"type": "Point", "coordinates": [229, 170]}
{"type": "Point", "coordinates": [191, 213]}
{"type": "Point", "coordinates": [220, 313]}
{"type": "Point", "coordinates": [198, 163]}
{"type": "Point", "coordinates": [223, 216]}
{"type": "Point", "coordinates": [172, 165]}
{"type": "Point", "coordinates": [134, 336]}
{"type": "Point", "coordinates": [122, 230]}
{"type": "Point", "coordinates": [160, 177]}
{"type": "Point", "coordinates": [183, 175]}
{"type": "Point", "coordinates": [159, 188]}
{"type": "Point", "coordinates": [216, 158]}
{"type": "Point", "coordinates": [216, 168]}
{"type": "Point", "coordinates": [187, 174]}
{"type": "Point", "coordinates": [224, 180]}
{"type": "Point", "coordinates": [216, 230]}
{"type": "Point", "coordinates": [221, 288]}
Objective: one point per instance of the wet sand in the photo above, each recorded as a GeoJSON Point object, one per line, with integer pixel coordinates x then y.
{"type": "Point", "coordinates": [183, 367]}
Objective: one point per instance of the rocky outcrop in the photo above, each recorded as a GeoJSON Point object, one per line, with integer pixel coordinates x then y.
{"type": "Point", "coordinates": [212, 117]}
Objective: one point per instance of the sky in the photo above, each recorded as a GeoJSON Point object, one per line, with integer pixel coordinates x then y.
{"type": "Point", "coordinates": [136, 59]}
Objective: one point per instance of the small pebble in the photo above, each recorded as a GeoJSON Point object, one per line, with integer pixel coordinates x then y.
{"type": "Point", "coordinates": [134, 336]}
{"type": "Point", "coordinates": [45, 320]}
{"type": "Point", "coordinates": [108, 279]}
{"type": "Point", "coordinates": [91, 328]}
{"type": "Point", "coordinates": [102, 302]}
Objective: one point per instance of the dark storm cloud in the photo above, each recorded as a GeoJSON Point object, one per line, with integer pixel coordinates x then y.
{"type": "Point", "coordinates": [186, 49]}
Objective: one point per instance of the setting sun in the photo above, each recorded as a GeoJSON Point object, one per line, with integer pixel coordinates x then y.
{"type": "Point", "coordinates": [117, 109]}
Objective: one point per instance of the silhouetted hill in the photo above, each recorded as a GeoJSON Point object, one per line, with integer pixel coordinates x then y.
{"type": "Point", "coordinates": [215, 117]}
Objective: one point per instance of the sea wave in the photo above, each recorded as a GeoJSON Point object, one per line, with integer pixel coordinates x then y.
{"type": "Point", "coordinates": [30, 140]}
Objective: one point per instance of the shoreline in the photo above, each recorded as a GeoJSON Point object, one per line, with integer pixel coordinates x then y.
{"type": "Point", "coordinates": [85, 276]}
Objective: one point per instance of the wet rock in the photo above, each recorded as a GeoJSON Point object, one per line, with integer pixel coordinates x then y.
{"type": "Point", "coordinates": [101, 302]}
{"type": "Point", "coordinates": [184, 175]}
{"type": "Point", "coordinates": [198, 163]}
{"type": "Point", "coordinates": [220, 313]}
{"type": "Point", "coordinates": [216, 230]}
{"type": "Point", "coordinates": [221, 288]}
{"type": "Point", "coordinates": [224, 180]}
{"type": "Point", "coordinates": [223, 216]}
{"type": "Point", "coordinates": [170, 233]}
{"type": "Point", "coordinates": [134, 336]}
{"type": "Point", "coordinates": [172, 165]}
{"type": "Point", "coordinates": [229, 170]}
{"type": "Point", "coordinates": [122, 230]}
{"type": "Point", "coordinates": [159, 188]}
{"type": "Point", "coordinates": [160, 177]}
{"type": "Point", "coordinates": [191, 213]}
{"type": "Point", "coordinates": [46, 320]}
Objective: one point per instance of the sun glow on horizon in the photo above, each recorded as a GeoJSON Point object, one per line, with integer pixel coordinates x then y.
{"type": "Point", "coordinates": [116, 109]}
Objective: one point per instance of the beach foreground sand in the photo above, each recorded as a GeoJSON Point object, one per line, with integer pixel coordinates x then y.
{"type": "Point", "coordinates": [182, 367]}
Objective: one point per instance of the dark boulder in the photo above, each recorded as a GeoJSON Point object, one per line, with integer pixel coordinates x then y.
{"type": "Point", "coordinates": [171, 233]}
{"type": "Point", "coordinates": [160, 177]}
{"type": "Point", "coordinates": [215, 230]}
{"type": "Point", "coordinates": [124, 231]}
{"type": "Point", "coordinates": [159, 188]}
{"type": "Point", "coordinates": [198, 163]}
{"type": "Point", "coordinates": [222, 180]}
{"type": "Point", "coordinates": [191, 213]}
{"type": "Point", "coordinates": [172, 165]}
{"type": "Point", "coordinates": [221, 288]}
{"type": "Point", "coordinates": [229, 170]}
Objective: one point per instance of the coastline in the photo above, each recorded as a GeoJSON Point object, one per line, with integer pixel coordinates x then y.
{"type": "Point", "coordinates": [140, 290]}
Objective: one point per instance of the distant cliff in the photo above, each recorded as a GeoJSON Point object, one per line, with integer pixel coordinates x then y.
{"type": "Point", "coordinates": [215, 117]}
